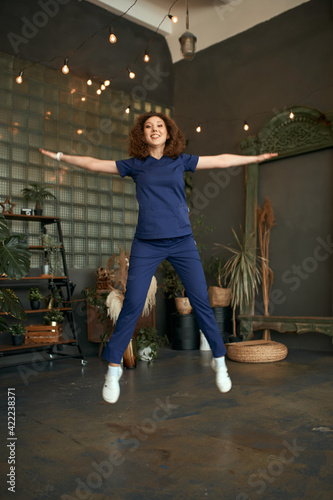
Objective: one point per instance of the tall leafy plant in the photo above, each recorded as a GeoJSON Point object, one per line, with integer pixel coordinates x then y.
{"type": "Point", "coordinates": [242, 273]}
{"type": "Point", "coordinates": [14, 264]}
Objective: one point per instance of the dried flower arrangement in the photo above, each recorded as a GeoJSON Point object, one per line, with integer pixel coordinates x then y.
{"type": "Point", "coordinates": [265, 222]}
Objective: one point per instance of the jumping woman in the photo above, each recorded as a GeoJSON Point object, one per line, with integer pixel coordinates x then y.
{"type": "Point", "coordinates": [157, 165]}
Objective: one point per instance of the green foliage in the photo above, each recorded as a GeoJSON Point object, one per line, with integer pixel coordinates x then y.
{"type": "Point", "coordinates": [53, 315]}
{"type": "Point", "coordinates": [35, 294]}
{"type": "Point", "coordinates": [10, 304]}
{"type": "Point", "coordinates": [14, 253]}
{"type": "Point", "coordinates": [97, 301]}
{"type": "Point", "coordinates": [214, 267]}
{"type": "Point", "coordinates": [17, 329]}
{"type": "Point", "coordinates": [149, 337]}
{"type": "Point", "coordinates": [242, 272]}
{"type": "Point", "coordinates": [171, 283]}
{"type": "Point", "coordinates": [52, 253]}
{"type": "Point", "coordinates": [14, 263]}
{"type": "Point", "coordinates": [36, 192]}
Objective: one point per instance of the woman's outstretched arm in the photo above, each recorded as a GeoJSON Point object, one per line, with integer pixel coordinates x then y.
{"type": "Point", "coordinates": [87, 162]}
{"type": "Point", "coordinates": [227, 160]}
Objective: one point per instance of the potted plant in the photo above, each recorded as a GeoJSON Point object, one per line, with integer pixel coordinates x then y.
{"type": "Point", "coordinates": [35, 296]}
{"type": "Point", "coordinates": [37, 193]}
{"type": "Point", "coordinates": [17, 332]}
{"type": "Point", "coordinates": [218, 296]}
{"type": "Point", "coordinates": [174, 289]}
{"type": "Point", "coordinates": [52, 255]}
{"type": "Point", "coordinates": [148, 342]}
{"type": "Point", "coordinates": [242, 274]}
{"type": "Point", "coordinates": [53, 317]}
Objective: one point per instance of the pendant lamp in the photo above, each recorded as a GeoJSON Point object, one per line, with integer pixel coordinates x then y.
{"type": "Point", "coordinates": [187, 41]}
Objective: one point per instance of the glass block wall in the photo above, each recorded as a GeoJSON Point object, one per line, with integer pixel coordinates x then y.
{"type": "Point", "coordinates": [62, 113]}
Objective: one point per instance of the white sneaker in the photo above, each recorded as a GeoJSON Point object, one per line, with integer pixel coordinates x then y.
{"type": "Point", "coordinates": [223, 380]}
{"type": "Point", "coordinates": [111, 389]}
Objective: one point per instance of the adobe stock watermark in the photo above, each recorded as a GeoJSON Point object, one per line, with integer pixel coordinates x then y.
{"type": "Point", "coordinates": [298, 273]}
{"type": "Point", "coordinates": [220, 180]}
{"type": "Point", "coordinates": [262, 478]}
{"type": "Point", "coordinates": [130, 441]}
{"type": "Point", "coordinates": [31, 26]}
{"type": "Point", "coordinates": [224, 6]}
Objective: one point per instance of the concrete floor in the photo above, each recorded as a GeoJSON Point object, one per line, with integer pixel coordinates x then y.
{"type": "Point", "coordinates": [172, 435]}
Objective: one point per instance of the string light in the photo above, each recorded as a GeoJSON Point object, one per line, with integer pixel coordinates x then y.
{"type": "Point", "coordinates": [65, 68]}
{"type": "Point", "coordinates": [131, 74]}
{"type": "Point", "coordinates": [107, 83]}
{"type": "Point", "coordinates": [291, 115]}
{"type": "Point", "coordinates": [198, 129]}
{"type": "Point", "coordinates": [98, 91]}
{"type": "Point", "coordinates": [174, 19]}
{"type": "Point", "coordinates": [83, 99]}
{"type": "Point", "coordinates": [112, 37]}
{"type": "Point", "coordinates": [102, 86]}
{"type": "Point", "coordinates": [146, 57]}
{"type": "Point", "coordinates": [128, 109]}
{"type": "Point", "coordinates": [246, 126]}
{"type": "Point", "coordinates": [19, 78]}
{"type": "Point", "coordinates": [89, 81]}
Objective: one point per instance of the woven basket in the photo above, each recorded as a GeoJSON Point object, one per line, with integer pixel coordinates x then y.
{"type": "Point", "coordinates": [219, 297]}
{"type": "Point", "coordinates": [256, 351]}
{"type": "Point", "coordinates": [43, 334]}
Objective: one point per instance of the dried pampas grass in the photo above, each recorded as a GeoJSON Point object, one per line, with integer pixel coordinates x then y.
{"type": "Point", "coordinates": [151, 297]}
{"type": "Point", "coordinates": [114, 304]}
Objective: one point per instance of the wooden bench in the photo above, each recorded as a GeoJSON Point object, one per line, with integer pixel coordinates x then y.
{"type": "Point", "coordinates": [285, 324]}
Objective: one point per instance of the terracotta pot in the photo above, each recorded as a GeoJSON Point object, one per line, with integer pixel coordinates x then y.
{"type": "Point", "coordinates": [183, 305]}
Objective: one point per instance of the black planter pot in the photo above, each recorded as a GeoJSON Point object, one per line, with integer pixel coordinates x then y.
{"type": "Point", "coordinates": [223, 317]}
{"type": "Point", "coordinates": [18, 339]}
{"type": "Point", "coordinates": [185, 333]}
{"type": "Point", "coordinates": [38, 211]}
{"type": "Point", "coordinates": [34, 304]}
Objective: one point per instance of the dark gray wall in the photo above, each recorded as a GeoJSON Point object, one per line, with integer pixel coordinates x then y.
{"type": "Point", "coordinates": [283, 62]}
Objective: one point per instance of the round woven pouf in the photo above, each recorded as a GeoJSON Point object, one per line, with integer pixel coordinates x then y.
{"type": "Point", "coordinates": [256, 351]}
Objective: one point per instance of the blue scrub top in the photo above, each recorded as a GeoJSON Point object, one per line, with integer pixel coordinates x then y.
{"type": "Point", "coordinates": [160, 191]}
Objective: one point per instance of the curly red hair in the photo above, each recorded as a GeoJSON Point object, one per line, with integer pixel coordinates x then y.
{"type": "Point", "coordinates": [138, 148]}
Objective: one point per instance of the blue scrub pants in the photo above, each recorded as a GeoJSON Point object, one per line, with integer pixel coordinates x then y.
{"type": "Point", "coordinates": [146, 255]}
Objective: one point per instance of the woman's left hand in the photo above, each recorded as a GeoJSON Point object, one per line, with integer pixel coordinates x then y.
{"type": "Point", "coordinates": [265, 156]}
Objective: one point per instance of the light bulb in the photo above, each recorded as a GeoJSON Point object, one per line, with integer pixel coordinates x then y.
{"type": "Point", "coordinates": [65, 68]}
{"type": "Point", "coordinates": [146, 57]}
{"type": "Point", "coordinates": [19, 78]}
{"type": "Point", "coordinates": [198, 129]}
{"type": "Point", "coordinates": [112, 37]}
{"type": "Point", "coordinates": [102, 87]}
{"type": "Point", "coordinates": [291, 115]}
{"type": "Point", "coordinates": [246, 127]}
{"type": "Point", "coordinates": [131, 74]}
{"type": "Point", "coordinates": [107, 83]}
{"type": "Point", "coordinates": [83, 98]}
{"type": "Point", "coordinates": [98, 91]}
{"type": "Point", "coordinates": [128, 109]}
{"type": "Point", "coordinates": [89, 81]}
{"type": "Point", "coordinates": [174, 19]}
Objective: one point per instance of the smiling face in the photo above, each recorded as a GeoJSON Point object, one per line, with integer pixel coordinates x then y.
{"type": "Point", "coordinates": [155, 133]}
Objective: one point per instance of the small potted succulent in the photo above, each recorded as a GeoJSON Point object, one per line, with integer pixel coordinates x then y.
{"type": "Point", "coordinates": [53, 317]}
{"type": "Point", "coordinates": [35, 297]}
{"type": "Point", "coordinates": [148, 342]}
{"type": "Point", "coordinates": [17, 332]}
